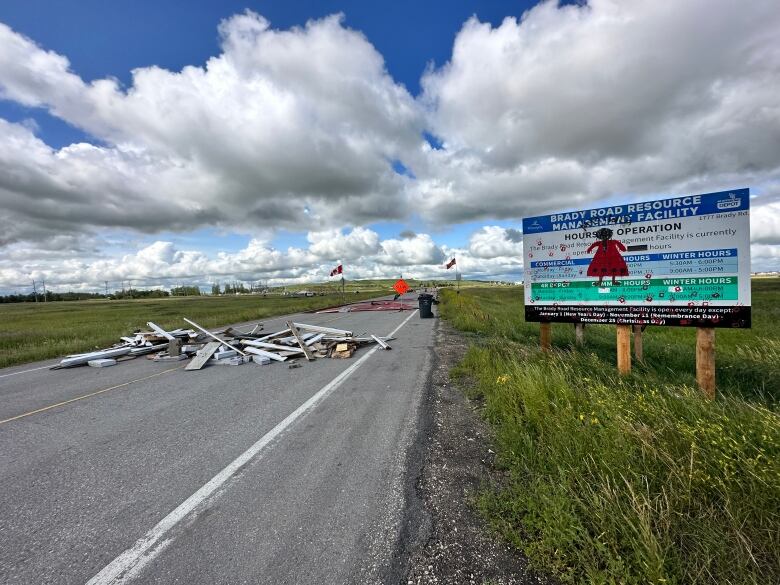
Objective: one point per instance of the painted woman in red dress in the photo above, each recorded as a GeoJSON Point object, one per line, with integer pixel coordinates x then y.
{"type": "Point", "coordinates": [607, 260]}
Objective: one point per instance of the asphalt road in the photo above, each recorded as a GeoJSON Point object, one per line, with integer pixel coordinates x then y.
{"type": "Point", "coordinates": [245, 474]}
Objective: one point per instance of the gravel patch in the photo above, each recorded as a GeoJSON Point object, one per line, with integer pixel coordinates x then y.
{"type": "Point", "coordinates": [454, 543]}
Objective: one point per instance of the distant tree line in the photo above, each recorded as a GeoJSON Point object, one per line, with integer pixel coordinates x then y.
{"type": "Point", "coordinates": [134, 293]}
{"type": "Point", "coordinates": [236, 288]}
{"type": "Point", "coordinates": [50, 296]}
{"type": "Point", "coordinates": [184, 291]}
{"type": "Point", "coordinates": [131, 293]}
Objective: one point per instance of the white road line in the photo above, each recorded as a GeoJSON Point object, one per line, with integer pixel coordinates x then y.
{"type": "Point", "coordinates": [129, 563]}
{"type": "Point", "coordinates": [24, 371]}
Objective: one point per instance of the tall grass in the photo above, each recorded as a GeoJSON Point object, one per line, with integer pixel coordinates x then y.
{"type": "Point", "coordinates": [635, 479]}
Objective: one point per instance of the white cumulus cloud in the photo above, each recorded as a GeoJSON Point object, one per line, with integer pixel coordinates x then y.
{"type": "Point", "coordinates": [571, 104]}
{"type": "Point", "coordinates": [299, 129]}
{"type": "Point", "coordinates": [291, 128]}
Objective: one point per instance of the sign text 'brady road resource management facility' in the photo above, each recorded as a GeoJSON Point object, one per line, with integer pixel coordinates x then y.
{"type": "Point", "coordinates": [681, 261]}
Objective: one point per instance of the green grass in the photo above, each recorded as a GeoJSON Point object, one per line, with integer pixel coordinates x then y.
{"type": "Point", "coordinates": [36, 331]}
{"type": "Point", "coordinates": [636, 479]}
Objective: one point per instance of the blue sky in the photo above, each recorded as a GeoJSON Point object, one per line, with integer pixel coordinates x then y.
{"type": "Point", "coordinates": [269, 140]}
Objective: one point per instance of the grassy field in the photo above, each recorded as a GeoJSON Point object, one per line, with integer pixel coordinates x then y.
{"type": "Point", "coordinates": [635, 479]}
{"type": "Point", "coordinates": [36, 331]}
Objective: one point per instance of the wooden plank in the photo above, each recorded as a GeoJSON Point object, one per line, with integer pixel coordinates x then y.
{"type": "Point", "coordinates": [268, 354]}
{"type": "Point", "coordinates": [301, 344]}
{"type": "Point", "coordinates": [624, 349]}
{"type": "Point", "coordinates": [160, 331]}
{"type": "Point", "coordinates": [545, 336]}
{"type": "Point", "coordinates": [203, 355]}
{"type": "Point", "coordinates": [210, 334]}
{"type": "Point", "coordinates": [265, 345]}
{"type": "Point", "coordinates": [705, 360]}
{"type": "Point", "coordinates": [381, 343]}
{"type": "Point", "coordinates": [320, 329]}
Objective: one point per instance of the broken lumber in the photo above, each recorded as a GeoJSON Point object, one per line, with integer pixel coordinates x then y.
{"type": "Point", "coordinates": [265, 345]}
{"type": "Point", "coordinates": [203, 355]}
{"type": "Point", "coordinates": [312, 340]}
{"type": "Point", "coordinates": [144, 349]}
{"type": "Point", "coordinates": [303, 346]}
{"type": "Point", "coordinates": [210, 334]}
{"type": "Point", "coordinates": [83, 359]}
{"type": "Point", "coordinates": [319, 329]}
{"type": "Point", "coordinates": [102, 363]}
{"type": "Point", "coordinates": [381, 343]}
{"type": "Point", "coordinates": [160, 331]}
{"type": "Point", "coordinates": [272, 335]}
{"type": "Point", "coordinates": [267, 354]}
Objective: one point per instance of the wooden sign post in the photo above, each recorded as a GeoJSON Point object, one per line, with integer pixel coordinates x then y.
{"type": "Point", "coordinates": [638, 349]}
{"type": "Point", "coordinates": [624, 349]}
{"type": "Point", "coordinates": [705, 360]}
{"type": "Point", "coordinates": [579, 334]}
{"type": "Point", "coordinates": [545, 335]}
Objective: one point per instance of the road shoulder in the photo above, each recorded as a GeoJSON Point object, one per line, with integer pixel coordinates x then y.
{"type": "Point", "coordinates": [455, 544]}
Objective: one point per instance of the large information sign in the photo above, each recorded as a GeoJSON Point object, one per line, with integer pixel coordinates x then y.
{"type": "Point", "coordinates": [681, 261]}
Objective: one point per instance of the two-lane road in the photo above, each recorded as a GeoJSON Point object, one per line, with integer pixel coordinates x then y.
{"type": "Point", "coordinates": [250, 474]}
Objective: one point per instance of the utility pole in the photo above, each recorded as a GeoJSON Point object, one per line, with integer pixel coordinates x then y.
{"type": "Point", "coordinates": [44, 291]}
{"type": "Point", "coordinates": [35, 292]}
{"type": "Point", "coordinates": [106, 289]}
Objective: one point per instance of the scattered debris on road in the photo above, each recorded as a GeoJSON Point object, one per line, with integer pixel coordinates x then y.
{"type": "Point", "coordinates": [232, 347]}
{"type": "Point", "coordinates": [102, 363]}
{"type": "Point", "coordinates": [371, 306]}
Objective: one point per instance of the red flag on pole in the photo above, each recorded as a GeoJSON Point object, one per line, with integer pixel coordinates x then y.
{"type": "Point", "coordinates": [339, 269]}
{"type": "Point", "coordinates": [451, 263]}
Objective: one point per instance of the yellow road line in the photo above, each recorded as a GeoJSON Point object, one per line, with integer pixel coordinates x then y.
{"type": "Point", "coordinates": [45, 408]}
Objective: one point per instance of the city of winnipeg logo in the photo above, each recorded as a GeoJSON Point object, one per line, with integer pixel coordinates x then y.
{"type": "Point", "coordinates": [733, 202]}
{"type": "Point", "coordinates": [535, 225]}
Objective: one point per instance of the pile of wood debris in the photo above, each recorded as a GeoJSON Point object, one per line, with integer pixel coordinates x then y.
{"type": "Point", "coordinates": [229, 347]}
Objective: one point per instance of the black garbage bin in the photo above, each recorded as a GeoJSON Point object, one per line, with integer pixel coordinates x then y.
{"type": "Point", "coordinates": [426, 302]}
